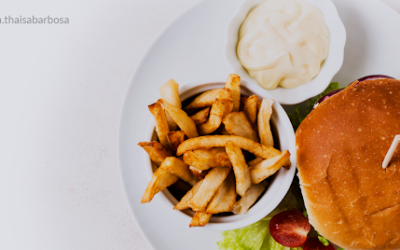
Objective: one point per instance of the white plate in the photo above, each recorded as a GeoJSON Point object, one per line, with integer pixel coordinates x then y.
{"type": "Point", "coordinates": [191, 49]}
{"type": "Point", "coordinates": [329, 68]}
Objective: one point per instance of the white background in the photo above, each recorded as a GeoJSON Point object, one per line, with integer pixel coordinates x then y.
{"type": "Point", "coordinates": [61, 94]}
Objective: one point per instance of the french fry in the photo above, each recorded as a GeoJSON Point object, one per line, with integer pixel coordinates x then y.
{"type": "Point", "coordinates": [237, 123]}
{"type": "Point", "coordinates": [233, 84]}
{"type": "Point", "coordinates": [156, 151]}
{"type": "Point", "coordinates": [161, 180]}
{"type": "Point", "coordinates": [240, 168]}
{"type": "Point", "coordinates": [251, 196]}
{"type": "Point", "coordinates": [169, 92]}
{"type": "Point", "coordinates": [162, 128]}
{"type": "Point", "coordinates": [182, 119]}
{"type": "Point", "coordinates": [264, 129]}
{"type": "Point", "coordinates": [266, 168]}
{"type": "Point", "coordinates": [200, 219]}
{"type": "Point", "coordinates": [184, 202]}
{"type": "Point", "coordinates": [179, 168]}
{"type": "Point", "coordinates": [175, 138]}
{"type": "Point", "coordinates": [201, 116]}
{"type": "Point", "coordinates": [204, 159]}
{"type": "Point", "coordinates": [207, 98]}
{"type": "Point", "coordinates": [210, 184]}
{"type": "Point", "coordinates": [201, 174]}
{"type": "Point", "coordinates": [250, 109]}
{"type": "Point", "coordinates": [255, 161]}
{"type": "Point", "coordinates": [224, 198]}
{"type": "Point", "coordinates": [210, 141]}
{"type": "Point", "coordinates": [216, 114]}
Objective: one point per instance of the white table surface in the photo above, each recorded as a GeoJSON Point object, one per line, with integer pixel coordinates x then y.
{"type": "Point", "coordinates": [61, 93]}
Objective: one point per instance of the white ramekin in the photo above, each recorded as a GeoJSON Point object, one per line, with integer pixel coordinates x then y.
{"type": "Point", "coordinates": [275, 191]}
{"type": "Point", "coordinates": [329, 68]}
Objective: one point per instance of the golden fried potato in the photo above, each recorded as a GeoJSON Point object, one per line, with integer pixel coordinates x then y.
{"type": "Point", "coordinates": [184, 202]}
{"type": "Point", "coordinates": [169, 92]}
{"type": "Point", "coordinates": [266, 168]}
{"type": "Point", "coordinates": [250, 109]}
{"type": "Point", "coordinates": [216, 114]}
{"type": "Point", "coordinates": [224, 198]}
{"type": "Point", "coordinates": [207, 98]}
{"type": "Point", "coordinates": [201, 174]}
{"type": "Point", "coordinates": [264, 129]}
{"type": "Point", "coordinates": [175, 138]}
{"type": "Point", "coordinates": [200, 219]}
{"type": "Point", "coordinates": [186, 124]}
{"type": "Point", "coordinates": [210, 141]}
{"type": "Point", "coordinates": [237, 123]}
{"type": "Point", "coordinates": [201, 116]}
{"type": "Point", "coordinates": [233, 84]}
{"type": "Point", "coordinates": [179, 168]}
{"type": "Point", "coordinates": [240, 168]}
{"type": "Point", "coordinates": [204, 159]}
{"type": "Point", "coordinates": [156, 151]}
{"type": "Point", "coordinates": [161, 180]}
{"type": "Point", "coordinates": [250, 197]}
{"type": "Point", "coordinates": [210, 185]}
{"type": "Point", "coordinates": [162, 127]}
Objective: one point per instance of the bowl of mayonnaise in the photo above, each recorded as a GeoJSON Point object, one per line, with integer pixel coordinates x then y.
{"type": "Point", "coordinates": [291, 48]}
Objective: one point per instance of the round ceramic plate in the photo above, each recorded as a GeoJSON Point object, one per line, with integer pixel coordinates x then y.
{"type": "Point", "coordinates": [192, 49]}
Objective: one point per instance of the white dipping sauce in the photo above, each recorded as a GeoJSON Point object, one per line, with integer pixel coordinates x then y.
{"type": "Point", "coordinates": [283, 43]}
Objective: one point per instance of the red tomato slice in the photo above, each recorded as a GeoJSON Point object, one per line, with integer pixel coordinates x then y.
{"type": "Point", "coordinates": [315, 244]}
{"type": "Point", "coordinates": [290, 228]}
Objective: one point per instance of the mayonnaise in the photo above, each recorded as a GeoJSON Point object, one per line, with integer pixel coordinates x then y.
{"type": "Point", "coordinates": [283, 43]}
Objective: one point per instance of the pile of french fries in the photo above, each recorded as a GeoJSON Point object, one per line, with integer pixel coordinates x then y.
{"type": "Point", "coordinates": [202, 144]}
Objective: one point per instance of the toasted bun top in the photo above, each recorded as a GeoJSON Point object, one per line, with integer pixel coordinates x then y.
{"type": "Point", "coordinates": [341, 145]}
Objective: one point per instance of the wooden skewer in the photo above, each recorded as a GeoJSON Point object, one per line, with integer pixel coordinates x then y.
{"type": "Point", "coordinates": [390, 153]}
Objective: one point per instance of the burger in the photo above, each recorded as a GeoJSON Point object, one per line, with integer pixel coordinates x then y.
{"type": "Point", "coordinates": [350, 199]}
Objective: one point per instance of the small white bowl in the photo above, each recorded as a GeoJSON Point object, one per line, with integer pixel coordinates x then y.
{"type": "Point", "coordinates": [329, 68]}
{"type": "Point", "coordinates": [275, 191]}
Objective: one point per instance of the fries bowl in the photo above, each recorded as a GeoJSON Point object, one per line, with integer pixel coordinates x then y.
{"type": "Point", "coordinates": [278, 184]}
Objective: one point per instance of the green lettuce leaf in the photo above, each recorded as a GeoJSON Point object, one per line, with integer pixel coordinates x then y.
{"type": "Point", "coordinates": [256, 236]}
{"type": "Point", "coordinates": [297, 116]}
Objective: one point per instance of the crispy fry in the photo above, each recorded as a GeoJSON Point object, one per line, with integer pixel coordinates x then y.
{"type": "Point", "coordinates": [161, 123]}
{"type": "Point", "coordinates": [236, 123]}
{"type": "Point", "coordinates": [201, 116]}
{"type": "Point", "coordinates": [250, 109]}
{"type": "Point", "coordinates": [224, 198]}
{"type": "Point", "coordinates": [210, 141]}
{"type": "Point", "coordinates": [216, 114]}
{"type": "Point", "coordinates": [200, 219]}
{"type": "Point", "coordinates": [207, 98]}
{"type": "Point", "coordinates": [161, 179]}
{"type": "Point", "coordinates": [156, 151]}
{"type": "Point", "coordinates": [184, 202]}
{"type": "Point", "coordinates": [233, 84]}
{"type": "Point", "coordinates": [169, 92]}
{"type": "Point", "coordinates": [201, 174]}
{"type": "Point", "coordinates": [251, 196]}
{"type": "Point", "coordinates": [182, 119]}
{"type": "Point", "coordinates": [268, 167]}
{"type": "Point", "coordinates": [204, 159]}
{"type": "Point", "coordinates": [179, 168]}
{"type": "Point", "coordinates": [264, 129]}
{"type": "Point", "coordinates": [240, 168]}
{"type": "Point", "coordinates": [255, 161]}
{"type": "Point", "coordinates": [211, 183]}
{"type": "Point", "coordinates": [175, 138]}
